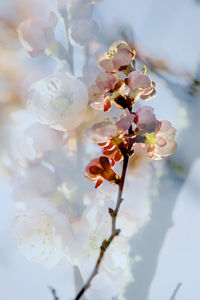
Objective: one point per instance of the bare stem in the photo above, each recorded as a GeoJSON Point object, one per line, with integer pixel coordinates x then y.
{"type": "Point", "coordinates": [114, 232]}
{"type": "Point", "coordinates": [64, 16]}
{"type": "Point", "coordinates": [175, 292]}
{"type": "Point", "coordinates": [53, 291]}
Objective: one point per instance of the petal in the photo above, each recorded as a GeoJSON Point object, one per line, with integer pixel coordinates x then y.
{"type": "Point", "coordinates": [107, 105]}
{"type": "Point", "coordinates": [104, 161]}
{"type": "Point", "coordinates": [99, 183]}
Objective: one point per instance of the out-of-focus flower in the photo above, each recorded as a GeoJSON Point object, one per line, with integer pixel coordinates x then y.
{"type": "Point", "coordinates": [82, 31]}
{"type": "Point", "coordinates": [141, 86]}
{"type": "Point", "coordinates": [99, 169]}
{"type": "Point", "coordinates": [34, 181]}
{"type": "Point", "coordinates": [117, 58]}
{"type": "Point", "coordinates": [59, 100]}
{"type": "Point", "coordinates": [43, 234]}
{"type": "Point", "coordinates": [145, 120]}
{"type": "Point", "coordinates": [89, 232]}
{"type": "Point", "coordinates": [35, 34]}
{"type": "Point", "coordinates": [79, 8]}
{"type": "Point", "coordinates": [161, 143]}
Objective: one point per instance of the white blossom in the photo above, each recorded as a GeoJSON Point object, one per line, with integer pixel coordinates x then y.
{"type": "Point", "coordinates": [43, 234]}
{"type": "Point", "coordinates": [59, 100]}
{"type": "Point", "coordinates": [34, 181]}
{"type": "Point", "coordinates": [29, 140]}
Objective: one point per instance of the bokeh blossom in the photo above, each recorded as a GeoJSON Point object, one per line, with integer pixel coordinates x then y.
{"type": "Point", "coordinates": [35, 34]}
{"type": "Point", "coordinates": [32, 182]}
{"type": "Point", "coordinates": [82, 31]}
{"type": "Point", "coordinates": [88, 233]}
{"type": "Point", "coordinates": [59, 100]}
{"type": "Point", "coordinates": [43, 234]}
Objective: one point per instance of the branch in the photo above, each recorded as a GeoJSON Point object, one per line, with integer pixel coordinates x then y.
{"type": "Point", "coordinates": [64, 16]}
{"type": "Point", "coordinates": [115, 232]}
{"type": "Point", "coordinates": [175, 292]}
{"type": "Point", "coordinates": [53, 291]}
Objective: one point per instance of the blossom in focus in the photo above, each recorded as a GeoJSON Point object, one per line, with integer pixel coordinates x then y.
{"type": "Point", "coordinates": [141, 86]}
{"type": "Point", "coordinates": [111, 136]}
{"type": "Point", "coordinates": [161, 143]}
{"type": "Point", "coordinates": [59, 100]}
{"type": "Point", "coordinates": [35, 34]}
{"type": "Point", "coordinates": [82, 31]}
{"type": "Point", "coordinates": [43, 234]}
{"type": "Point", "coordinates": [99, 169]}
{"type": "Point", "coordinates": [145, 120]}
{"type": "Point", "coordinates": [117, 58]}
{"type": "Point", "coordinates": [108, 87]}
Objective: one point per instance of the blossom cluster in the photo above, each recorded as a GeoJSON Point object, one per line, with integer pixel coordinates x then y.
{"type": "Point", "coordinates": [48, 228]}
{"type": "Point", "coordinates": [122, 85]}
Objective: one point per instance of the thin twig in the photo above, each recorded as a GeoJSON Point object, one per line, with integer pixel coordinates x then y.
{"type": "Point", "coordinates": [175, 292]}
{"type": "Point", "coordinates": [115, 232]}
{"type": "Point", "coordinates": [64, 16]}
{"type": "Point", "coordinates": [53, 291]}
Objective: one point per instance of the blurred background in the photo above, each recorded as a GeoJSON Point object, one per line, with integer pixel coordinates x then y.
{"type": "Point", "coordinates": [165, 251]}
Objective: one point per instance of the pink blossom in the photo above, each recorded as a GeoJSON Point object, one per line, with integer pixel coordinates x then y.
{"type": "Point", "coordinates": [107, 81]}
{"type": "Point", "coordinates": [103, 131]}
{"type": "Point", "coordinates": [110, 136]}
{"type": "Point", "coordinates": [35, 34]}
{"type": "Point", "coordinates": [141, 86]}
{"type": "Point", "coordinates": [107, 88]}
{"type": "Point", "coordinates": [145, 119]}
{"type": "Point", "coordinates": [99, 169]}
{"type": "Point", "coordinates": [162, 142]}
{"type": "Point", "coordinates": [117, 58]}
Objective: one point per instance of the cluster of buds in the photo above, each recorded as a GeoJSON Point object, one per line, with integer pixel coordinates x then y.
{"type": "Point", "coordinates": [123, 85]}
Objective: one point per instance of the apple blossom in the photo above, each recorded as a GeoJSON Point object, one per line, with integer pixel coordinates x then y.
{"type": "Point", "coordinates": [59, 100]}
{"type": "Point", "coordinates": [35, 34]}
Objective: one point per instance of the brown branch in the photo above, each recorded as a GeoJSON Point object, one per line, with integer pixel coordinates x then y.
{"type": "Point", "coordinates": [115, 232]}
